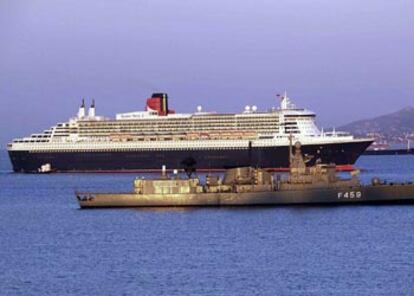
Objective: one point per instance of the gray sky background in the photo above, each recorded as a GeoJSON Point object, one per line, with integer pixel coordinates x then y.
{"type": "Point", "coordinates": [344, 59]}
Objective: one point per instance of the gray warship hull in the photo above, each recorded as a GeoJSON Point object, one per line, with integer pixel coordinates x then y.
{"type": "Point", "coordinates": [396, 193]}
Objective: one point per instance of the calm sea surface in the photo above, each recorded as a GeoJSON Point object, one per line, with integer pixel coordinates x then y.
{"type": "Point", "coordinates": [50, 247]}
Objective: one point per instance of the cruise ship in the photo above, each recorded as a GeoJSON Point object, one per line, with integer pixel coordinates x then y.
{"type": "Point", "coordinates": [146, 141]}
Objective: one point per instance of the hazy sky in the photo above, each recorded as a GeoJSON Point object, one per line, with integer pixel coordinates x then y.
{"type": "Point", "coordinates": [344, 59]}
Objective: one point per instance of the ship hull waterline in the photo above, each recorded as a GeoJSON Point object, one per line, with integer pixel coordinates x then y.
{"type": "Point", "coordinates": [335, 196]}
{"type": "Point", "coordinates": [344, 155]}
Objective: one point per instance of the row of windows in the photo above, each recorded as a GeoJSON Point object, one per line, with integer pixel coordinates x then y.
{"type": "Point", "coordinates": [254, 128]}
{"type": "Point", "coordinates": [31, 141]}
{"type": "Point", "coordinates": [263, 126]}
{"type": "Point", "coordinates": [181, 122]}
{"type": "Point", "coordinates": [193, 126]}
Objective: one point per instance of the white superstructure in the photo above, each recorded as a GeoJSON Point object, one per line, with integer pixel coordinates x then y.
{"type": "Point", "coordinates": [144, 130]}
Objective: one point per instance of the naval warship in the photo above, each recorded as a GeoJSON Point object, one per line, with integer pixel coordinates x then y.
{"type": "Point", "coordinates": [245, 186]}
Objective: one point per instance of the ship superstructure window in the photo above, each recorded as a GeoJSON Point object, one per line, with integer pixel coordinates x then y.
{"type": "Point", "coordinates": [203, 123]}
{"type": "Point", "coordinates": [166, 125]}
{"type": "Point", "coordinates": [300, 124]}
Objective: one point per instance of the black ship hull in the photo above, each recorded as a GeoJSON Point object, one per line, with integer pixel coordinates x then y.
{"type": "Point", "coordinates": [343, 154]}
{"type": "Point", "coordinates": [390, 152]}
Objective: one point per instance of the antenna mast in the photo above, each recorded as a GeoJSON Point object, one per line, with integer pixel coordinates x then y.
{"type": "Point", "coordinates": [290, 149]}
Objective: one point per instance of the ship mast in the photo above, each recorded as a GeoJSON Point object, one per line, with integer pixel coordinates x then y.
{"type": "Point", "coordinates": [290, 149]}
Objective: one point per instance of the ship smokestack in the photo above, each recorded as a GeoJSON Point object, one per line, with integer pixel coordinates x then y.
{"type": "Point", "coordinates": [165, 103]}
{"type": "Point", "coordinates": [159, 102]}
{"type": "Point", "coordinates": [81, 112]}
{"type": "Point", "coordinates": [91, 112]}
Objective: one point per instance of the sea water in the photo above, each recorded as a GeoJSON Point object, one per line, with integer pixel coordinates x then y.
{"type": "Point", "coordinates": [48, 246]}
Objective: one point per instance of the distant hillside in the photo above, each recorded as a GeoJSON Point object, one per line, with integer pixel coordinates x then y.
{"type": "Point", "coordinates": [394, 127]}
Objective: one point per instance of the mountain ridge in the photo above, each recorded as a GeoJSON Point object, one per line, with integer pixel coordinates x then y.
{"type": "Point", "coordinates": [394, 126]}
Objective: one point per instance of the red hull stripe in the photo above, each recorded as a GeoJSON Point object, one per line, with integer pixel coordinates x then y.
{"type": "Point", "coordinates": [339, 168]}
